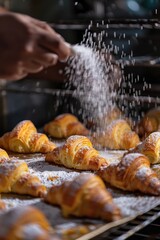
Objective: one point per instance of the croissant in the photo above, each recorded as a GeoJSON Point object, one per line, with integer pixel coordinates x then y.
{"type": "Point", "coordinates": [156, 168]}
{"type": "Point", "coordinates": [132, 173]}
{"type": "Point", "coordinates": [15, 177]}
{"type": "Point", "coordinates": [25, 139]}
{"type": "Point", "coordinates": [3, 156]}
{"type": "Point", "coordinates": [65, 125]}
{"type": "Point", "coordinates": [78, 153]}
{"type": "Point", "coordinates": [85, 196]}
{"type": "Point", "coordinates": [150, 147]}
{"type": "Point", "coordinates": [23, 223]}
{"type": "Point", "coordinates": [155, 112]}
{"type": "Point", "coordinates": [149, 123]}
{"type": "Point", "coordinates": [118, 136]}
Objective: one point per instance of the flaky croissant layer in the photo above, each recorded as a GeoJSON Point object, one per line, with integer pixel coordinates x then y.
{"type": "Point", "coordinates": [132, 173]}
{"type": "Point", "coordinates": [85, 196]}
{"type": "Point", "coordinates": [15, 177]}
{"type": "Point", "coordinates": [3, 156]}
{"type": "Point", "coordinates": [150, 147]}
{"type": "Point", "coordinates": [25, 139]}
{"type": "Point", "coordinates": [117, 136]}
{"type": "Point", "coordinates": [65, 125]}
{"type": "Point", "coordinates": [78, 153]}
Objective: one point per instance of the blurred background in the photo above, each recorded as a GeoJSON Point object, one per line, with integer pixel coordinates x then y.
{"type": "Point", "coordinates": [131, 32]}
{"type": "Point", "coordinates": [52, 10]}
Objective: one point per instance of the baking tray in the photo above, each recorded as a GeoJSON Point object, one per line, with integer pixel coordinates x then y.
{"type": "Point", "coordinates": [131, 205]}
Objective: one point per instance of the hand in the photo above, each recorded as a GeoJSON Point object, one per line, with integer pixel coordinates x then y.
{"type": "Point", "coordinates": [27, 46]}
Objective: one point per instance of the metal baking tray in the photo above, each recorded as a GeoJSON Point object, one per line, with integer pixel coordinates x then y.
{"type": "Point", "coordinates": [131, 204]}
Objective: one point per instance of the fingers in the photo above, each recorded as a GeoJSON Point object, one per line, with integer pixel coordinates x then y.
{"type": "Point", "coordinates": [46, 38]}
{"type": "Point", "coordinates": [44, 58]}
{"type": "Point", "coordinates": [16, 76]}
{"type": "Point", "coordinates": [32, 63]}
{"type": "Point", "coordinates": [32, 67]}
{"type": "Point", "coordinates": [54, 42]}
{"type": "Point", "coordinates": [40, 57]}
{"type": "Point", "coordinates": [51, 40]}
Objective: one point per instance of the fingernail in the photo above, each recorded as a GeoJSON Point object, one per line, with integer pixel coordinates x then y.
{"type": "Point", "coordinates": [64, 60]}
{"type": "Point", "coordinates": [70, 53]}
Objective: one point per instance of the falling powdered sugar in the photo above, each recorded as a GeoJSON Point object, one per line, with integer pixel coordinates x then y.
{"type": "Point", "coordinates": [89, 73]}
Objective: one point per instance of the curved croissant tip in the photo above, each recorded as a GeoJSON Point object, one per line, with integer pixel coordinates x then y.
{"type": "Point", "coordinates": [116, 217]}
{"type": "Point", "coordinates": [111, 212]}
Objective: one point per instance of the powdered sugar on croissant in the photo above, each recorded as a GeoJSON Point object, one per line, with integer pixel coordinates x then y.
{"type": "Point", "coordinates": [85, 196]}
{"type": "Point", "coordinates": [150, 147]}
{"type": "Point", "coordinates": [132, 173]}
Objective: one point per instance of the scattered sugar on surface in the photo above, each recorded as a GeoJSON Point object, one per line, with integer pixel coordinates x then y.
{"type": "Point", "coordinates": [130, 204]}
{"type": "Point", "coordinates": [112, 156]}
{"type": "Point", "coordinates": [50, 178]}
{"type": "Point", "coordinates": [18, 200]}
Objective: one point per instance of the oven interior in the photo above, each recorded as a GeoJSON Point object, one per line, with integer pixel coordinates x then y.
{"type": "Point", "coordinates": [41, 97]}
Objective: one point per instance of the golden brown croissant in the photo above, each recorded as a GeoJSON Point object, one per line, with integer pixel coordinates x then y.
{"type": "Point", "coordinates": [150, 147]}
{"type": "Point", "coordinates": [132, 173]}
{"type": "Point", "coordinates": [149, 123]}
{"type": "Point", "coordinates": [65, 125]}
{"type": "Point", "coordinates": [78, 153]}
{"type": "Point", "coordinates": [118, 135]}
{"type": "Point", "coordinates": [85, 196]}
{"type": "Point", "coordinates": [23, 223]}
{"type": "Point", "coordinates": [25, 139]}
{"type": "Point", "coordinates": [155, 113]}
{"type": "Point", "coordinates": [156, 168]}
{"type": "Point", "coordinates": [3, 156]}
{"type": "Point", "coordinates": [15, 177]}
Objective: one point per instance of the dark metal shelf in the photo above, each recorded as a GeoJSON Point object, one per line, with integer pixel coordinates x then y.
{"type": "Point", "coordinates": [136, 229]}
